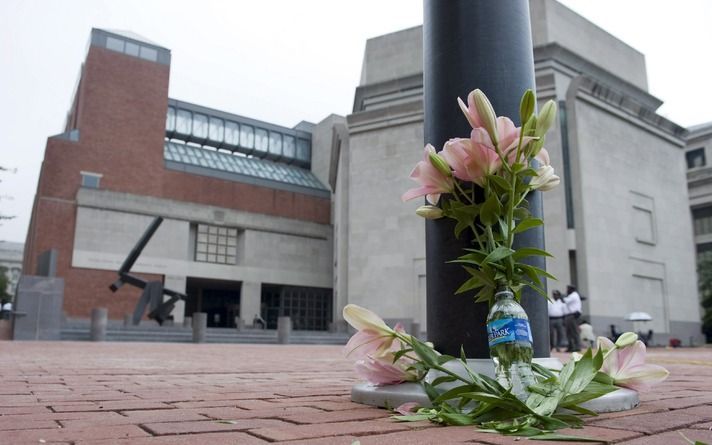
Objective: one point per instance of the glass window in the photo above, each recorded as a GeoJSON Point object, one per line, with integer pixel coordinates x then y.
{"type": "Point", "coordinates": [184, 119]}
{"type": "Point", "coordinates": [171, 119]}
{"type": "Point", "coordinates": [703, 220]}
{"type": "Point", "coordinates": [216, 129]}
{"type": "Point", "coordinates": [115, 44]}
{"type": "Point", "coordinates": [232, 133]}
{"type": "Point", "coordinates": [275, 143]}
{"type": "Point", "coordinates": [212, 244]}
{"type": "Point", "coordinates": [289, 149]}
{"type": "Point", "coordinates": [696, 158]}
{"type": "Point", "coordinates": [261, 140]}
{"type": "Point", "coordinates": [131, 49]}
{"type": "Point", "coordinates": [149, 54]}
{"type": "Point", "coordinates": [90, 180]}
{"type": "Point", "coordinates": [200, 126]}
{"type": "Point", "coordinates": [303, 151]}
{"type": "Point", "coordinates": [247, 136]}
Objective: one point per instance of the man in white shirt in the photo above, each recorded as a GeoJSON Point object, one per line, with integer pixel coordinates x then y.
{"type": "Point", "coordinates": [556, 321]}
{"type": "Point", "coordinates": [573, 312]}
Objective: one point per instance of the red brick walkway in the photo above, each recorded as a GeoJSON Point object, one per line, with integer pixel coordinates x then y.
{"type": "Point", "coordinates": [151, 394]}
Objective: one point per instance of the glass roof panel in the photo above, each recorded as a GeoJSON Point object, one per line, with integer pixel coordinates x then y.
{"type": "Point", "coordinates": [247, 166]}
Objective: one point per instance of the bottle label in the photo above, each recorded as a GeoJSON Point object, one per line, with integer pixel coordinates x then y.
{"type": "Point", "coordinates": [508, 330]}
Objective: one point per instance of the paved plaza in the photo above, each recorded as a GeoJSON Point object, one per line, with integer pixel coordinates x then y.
{"type": "Point", "coordinates": [150, 394]}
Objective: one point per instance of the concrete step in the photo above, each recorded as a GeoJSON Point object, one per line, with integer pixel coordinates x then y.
{"type": "Point", "coordinates": [214, 335]}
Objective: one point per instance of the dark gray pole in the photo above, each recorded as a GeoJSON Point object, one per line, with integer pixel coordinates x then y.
{"type": "Point", "coordinates": [467, 44]}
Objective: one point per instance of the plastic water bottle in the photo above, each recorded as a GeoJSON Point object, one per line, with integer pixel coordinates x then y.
{"type": "Point", "coordinates": [510, 343]}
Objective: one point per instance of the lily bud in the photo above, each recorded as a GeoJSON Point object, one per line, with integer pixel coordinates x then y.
{"type": "Point", "coordinates": [626, 339]}
{"type": "Point", "coordinates": [545, 179]}
{"type": "Point", "coordinates": [429, 212]}
{"type": "Point", "coordinates": [546, 118]}
{"type": "Point", "coordinates": [526, 107]}
{"type": "Point", "coordinates": [486, 112]}
{"type": "Point", "coordinates": [440, 163]}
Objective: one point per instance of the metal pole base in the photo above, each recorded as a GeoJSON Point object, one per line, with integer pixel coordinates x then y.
{"type": "Point", "coordinates": [392, 396]}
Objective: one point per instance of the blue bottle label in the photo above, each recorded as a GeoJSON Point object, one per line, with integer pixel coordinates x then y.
{"type": "Point", "coordinates": [508, 330]}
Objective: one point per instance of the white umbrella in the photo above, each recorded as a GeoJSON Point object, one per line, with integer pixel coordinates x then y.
{"type": "Point", "coordinates": [638, 316]}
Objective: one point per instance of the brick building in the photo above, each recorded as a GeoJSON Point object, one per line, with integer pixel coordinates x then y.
{"type": "Point", "coordinates": [246, 227]}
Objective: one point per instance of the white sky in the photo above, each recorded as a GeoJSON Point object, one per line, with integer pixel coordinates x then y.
{"type": "Point", "coordinates": [279, 61]}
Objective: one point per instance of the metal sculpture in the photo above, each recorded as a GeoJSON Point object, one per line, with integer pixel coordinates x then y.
{"type": "Point", "coordinates": [153, 291]}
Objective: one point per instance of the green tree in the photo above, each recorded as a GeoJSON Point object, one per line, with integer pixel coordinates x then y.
{"type": "Point", "coordinates": [704, 270]}
{"type": "Point", "coordinates": [4, 279]}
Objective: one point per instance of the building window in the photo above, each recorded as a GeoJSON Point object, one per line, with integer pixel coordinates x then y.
{"type": "Point", "coordinates": [184, 121]}
{"type": "Point", "coordinates": [149, 54]}
{"type": "Point", "coordinates": [171, 119]}
{"type": "Point", "coordinates": [91, 180]}
{"type": "Point", "coordinates": [303, 151]}
{"type": "Point", "coordinates": [216, 130]}
{"type": "Point", "coordinates": [216, 244]}
{"type": "Point", "coordinates": [131, 49]}
{"type": "Point", "coordinates": [702, 220]}
{"type": "Point", "coordinates": [696, 158]}
{"type": "Point", "coordinates": [232, 133]}
{"type": "Point", "coordinates": [261, 140]}
{"type": "Point", "coordinates": [247, 136]}
{"type": "Point", "coordinates": [200, 126]}
{"type": "Point", "coordinates": [310, 308]}
{"type": "Point", "coordinates": [289, 149]}
{"type": "Point", "coordinates": [115, 44]}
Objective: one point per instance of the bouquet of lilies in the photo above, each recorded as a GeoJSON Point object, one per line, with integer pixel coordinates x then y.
{"type": "Point", "coordinates": [386, 356]}
{"type": "Point", "coordinates": [487, 178]}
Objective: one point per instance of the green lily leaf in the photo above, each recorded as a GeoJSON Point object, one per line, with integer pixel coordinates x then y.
{"type": "Point", "coordinates": [491, 210]}
{"type": "Point", "coordinates": [498, 254]}
{"type": "Point", "coordinates": [411, 418]}
{"type": "Point", "coordinates": [528, 224]}
{"type": "Point", "coordinates": [530, 251]}
{"type": "Point", "coordinates": [457, 419]}
{"type": "Point", "coordinates": [443, 379]}
{"type": "Point", "coordinates": [564, 437]}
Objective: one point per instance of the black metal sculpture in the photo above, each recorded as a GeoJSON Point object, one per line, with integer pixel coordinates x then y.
{"type": "Point", "coordinates": [153, 291]}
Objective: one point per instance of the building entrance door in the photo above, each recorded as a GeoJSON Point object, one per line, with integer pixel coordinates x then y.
{"type": "Point", "coordinates": [220, 299]}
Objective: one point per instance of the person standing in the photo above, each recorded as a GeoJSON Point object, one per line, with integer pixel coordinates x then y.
{"type": "Point", "coordinates": [573, 312]}
{"type": "Point", "coordinates": [556, 321]}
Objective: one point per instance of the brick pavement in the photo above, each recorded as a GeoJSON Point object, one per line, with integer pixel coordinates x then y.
{"type": "Point", "coordinates": [166, 394]}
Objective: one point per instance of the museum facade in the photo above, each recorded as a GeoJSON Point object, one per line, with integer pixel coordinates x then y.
{"type": "Point", "coordinates": [266, 220]}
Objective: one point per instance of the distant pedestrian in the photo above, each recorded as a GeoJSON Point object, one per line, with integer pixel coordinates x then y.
{"type": "Point", "coordinates": [557, 309]}
{"type": "Point", "coordinates": [588, 338]}
{"type": "Point", "coordinates": [573, 313]}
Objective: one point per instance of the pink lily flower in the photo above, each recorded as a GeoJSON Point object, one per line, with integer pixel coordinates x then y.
{"type": "Point", "coordinates": [470, 110]}
{"type": "Point", "coordinates": [627, 365]}
{"type": "Point", "coordinates": [374, 346]}
{"type": "Point", "coordinates": [470, 160]}
{"type": "Point", "coordinates": [407, 408]}
{"type": "Point", "coordinates": [506, 132]}
{"type": "Point", "coordinates": [433, 180]}
{"type": "Point", "coordinates": [384, 372]}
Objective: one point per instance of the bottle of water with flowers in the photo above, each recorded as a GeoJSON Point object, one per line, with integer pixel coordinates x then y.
{"type": "Point", "coordinates": [510, 342]}
{"type": "Point", "coordinates": [486, 180]}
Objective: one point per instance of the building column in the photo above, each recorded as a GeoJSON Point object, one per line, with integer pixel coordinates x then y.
{"type": "Point", "coordinates": [176, 283]}
{"type": "Point", "coordinates": [250, 301]}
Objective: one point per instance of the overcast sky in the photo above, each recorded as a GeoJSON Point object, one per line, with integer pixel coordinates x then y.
{"type": "Point", "coordinates": [278, 61]}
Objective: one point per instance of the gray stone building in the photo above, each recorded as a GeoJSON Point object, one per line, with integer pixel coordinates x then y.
{"type": "Point", "coordinates": [11, 260]}
{"type": "Point", "coordinates": [699, 181]}
{"type": "Point", "coordinates": [618, 225]}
